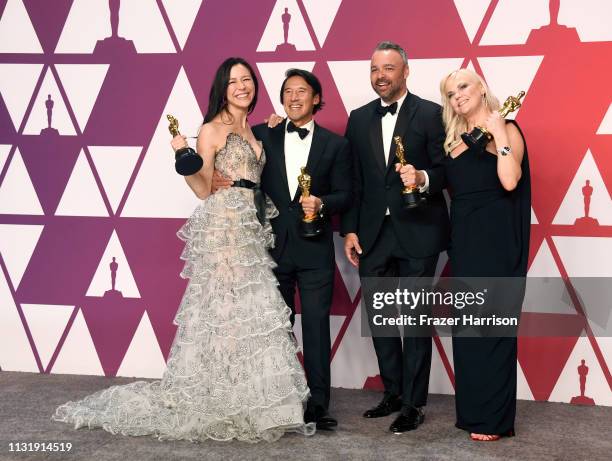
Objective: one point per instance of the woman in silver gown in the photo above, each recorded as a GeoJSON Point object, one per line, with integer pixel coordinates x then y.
{"type": "Point", "coordinates": [232, 372]}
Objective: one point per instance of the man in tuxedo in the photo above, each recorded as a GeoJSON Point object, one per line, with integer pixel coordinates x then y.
{"type": "Point", "coordinates": [381, 238]}
{"type": "Point", "coordinates": [306, 262]}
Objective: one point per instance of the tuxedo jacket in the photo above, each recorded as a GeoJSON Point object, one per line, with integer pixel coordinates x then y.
{"type": "Point", "coordinates": [329, 166]}
{"type": "Point", "coordinates": [421, 232]}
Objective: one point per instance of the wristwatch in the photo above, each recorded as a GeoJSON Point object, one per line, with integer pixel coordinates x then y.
{"type": "Point", "coordinates": [504, 150]}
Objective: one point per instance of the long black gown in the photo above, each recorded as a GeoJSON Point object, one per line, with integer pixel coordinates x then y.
{"type": "Point", "coordinates": [489, 238]}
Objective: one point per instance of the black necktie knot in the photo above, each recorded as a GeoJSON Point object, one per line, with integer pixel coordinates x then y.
{"type": "Point", "coordinates": [383, 110]}
{"type": "Point", "coordinates": [302, 132]}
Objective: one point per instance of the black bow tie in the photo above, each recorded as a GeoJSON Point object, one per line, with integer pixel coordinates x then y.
{"type": "Point", "coordinates": [383, 110]}
{"type": "Point", "coordinates": [302, 132]}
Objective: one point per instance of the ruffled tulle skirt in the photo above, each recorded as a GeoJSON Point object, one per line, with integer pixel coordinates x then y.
{"type": "Point", "coordinates": [233, 371]}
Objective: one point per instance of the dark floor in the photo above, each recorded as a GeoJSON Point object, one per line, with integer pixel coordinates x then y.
{"type": "Point", "coordinates": [545, 431]}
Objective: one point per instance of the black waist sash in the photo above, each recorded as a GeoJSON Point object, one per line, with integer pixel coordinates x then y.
{"type": "Point", "coordinates": [258, 197]}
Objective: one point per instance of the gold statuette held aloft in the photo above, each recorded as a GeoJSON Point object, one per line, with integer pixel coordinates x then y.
{"type": "Point", "coordinates": [479, 136]}
{"type": "Point", "coordinates": [173, 127]}
{"type": "Point", "coordinates": [187, 161]}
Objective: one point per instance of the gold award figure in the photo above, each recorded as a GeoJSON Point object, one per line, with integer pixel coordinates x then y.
{"type": "Point", "coordinates": [187, 161]}
{"type": "Point", "coordinates": [311, 224]}
{"type": "Point", "coordinates": [411, 196]}
{"type": "Point", "coordinates": [479, 136]}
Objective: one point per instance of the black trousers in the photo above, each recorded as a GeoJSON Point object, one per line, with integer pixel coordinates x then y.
{"type": "Point", "coordinates": [404, 368]}
{"type": "Point", "coordinates": [315, 289]}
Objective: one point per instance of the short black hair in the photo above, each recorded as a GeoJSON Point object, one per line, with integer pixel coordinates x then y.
{"type": "Point", "coordinates": [312, 81]}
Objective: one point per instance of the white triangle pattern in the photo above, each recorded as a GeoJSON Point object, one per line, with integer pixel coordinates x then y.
{"type": "Point", "coordinates": [321, 14]}
{"type": "Point", "coordinates": [273, 74]}
{"type": "Point", "coordinates": [508, 75]}
{"type": "Point", "coordinates": [17, 193]}
{"type": "Point", "coordinates": [352, 79]}
{"type": "Point", "coordinates": [513, 12]}
{"type": "Point", "coordinates": [298, 32]}
{"type": "Point", "coordinates": [37, 119]}
{"type": "Point", "coordinates": [182, 14]}
{"type": "Point", "coordinates": [139, 21]}
{"type": "Point", "coordinates": [143, 358]}
{"type": "Point", "coordinates": [142, 22]}
{"type": "Point", "coordinates": [175, 199]}
{"type": "Point", "coordinates": [47, 324]}
{"type": "Point", "coordinates": [17, 35]}
{"type": "Point", "coordinates": [591, 18]}
{"type": "Point", "coordinates": [585, 256]}
{"type": "Point", "coordinates": [17, 243]}
{"type": "Point", "coordinates": [17, 82]}
{"type": "Point", "coordinates": [543, 264]}
{"type": "Point", "coordinates": [472, 13]}
{"type": "Point", "coordinates": [78, 355]}
{"type": "Point", "coordinates": [534, 219]}
{"type": "Point", "coordinates": [82, 83]}
{"type": "Point", "coordinates": [425, 76]}
{"type": "Point", "coordinates": [101, 281]}
{"type": "Point", "coordinates": [115, 165]}
{"type": "Point", "coordinates": [568, 384]}
{"type": "Point", "coordinates": [78, 39]}
{"type": "Point", "coordinates": [606, 123]}
{"type": "Point", "coordinates": [573, 205]}
{"type": "Point", "coordinates": [15, 350]}
{"type": "Point", "coordinates": [355, 359]}
{"type": "Point", "coordinates": [81, 196]}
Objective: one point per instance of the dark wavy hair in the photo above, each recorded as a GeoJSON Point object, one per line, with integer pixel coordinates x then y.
{"type": "Point", "coordinates": [312, 81]}
{"type": "Point", "coordinates": [217, 101]}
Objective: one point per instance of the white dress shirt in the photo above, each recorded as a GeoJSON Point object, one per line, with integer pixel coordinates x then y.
{"type": "Point", "coordinates": [388, 127]}
{"type": "Point", "coordinates": [296, 154]}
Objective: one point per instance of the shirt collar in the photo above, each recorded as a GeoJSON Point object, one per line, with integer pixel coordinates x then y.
{"type": "Point", "coordinates": [400, 101]}
{"type": "Point", "coordinates": [309, 126]}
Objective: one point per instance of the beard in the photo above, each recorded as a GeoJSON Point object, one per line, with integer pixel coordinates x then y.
{"type": "Point", "coordinates": [394, 90]}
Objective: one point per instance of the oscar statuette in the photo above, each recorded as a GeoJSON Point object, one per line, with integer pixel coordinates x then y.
{"type": "Point", "coordinates": [411, 196]}
{"type": "Point", "coordinates": [187, 161]}
{"type": "Point", "coordinates": [311, 224]}
{"type": "Point", "coordinates": [479, 136]}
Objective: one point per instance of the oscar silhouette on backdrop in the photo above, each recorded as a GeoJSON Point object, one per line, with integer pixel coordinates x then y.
{"type": "Point", "coordinates": [553, 32]}
{"type": "Point", "coordinates": [586, 220]}
{"type": "Point", "coordinates": [583, 371]}
{"type": "Point", "coordinates": [114, 293]}
{"type": "Point", "coordinates": [49, 131]}
{"type": "Point", "coordinates": [114, 43]}
{"type": "Point", "coordinates": [286, 46]}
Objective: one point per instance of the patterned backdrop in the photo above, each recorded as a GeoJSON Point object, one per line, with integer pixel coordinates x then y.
{"type": "Point", "coordinates": [86, 171]}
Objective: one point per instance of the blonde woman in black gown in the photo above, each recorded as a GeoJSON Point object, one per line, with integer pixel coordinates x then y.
{"type": "Point", "coordinates": [490, 218]}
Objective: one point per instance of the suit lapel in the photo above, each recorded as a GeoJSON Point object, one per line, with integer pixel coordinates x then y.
{"type": "Point", "coordinates": [376, 139]}
{"type": "Point", "coordinates": [277, 145]}
{"type": "Point", "coordinates": [404, 118]}
{"type": "Point", "coordinates": [317, 147]}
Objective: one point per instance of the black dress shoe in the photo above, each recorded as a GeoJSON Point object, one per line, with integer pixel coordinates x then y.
{"type": "Point", "coordinates": [320, 416]}
{"type": "Point", "coordinates": [408, 420]}
{"type": "Point", "coordinates": [389, 404]}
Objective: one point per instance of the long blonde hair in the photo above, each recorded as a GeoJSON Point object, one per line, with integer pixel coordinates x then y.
{"type": "Point", "coordinates": [455, 124]}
